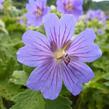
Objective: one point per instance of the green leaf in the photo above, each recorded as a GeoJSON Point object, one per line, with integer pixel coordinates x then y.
{"type": "Point", "coordinates": [2, 27]}
{"type": "Point", "coordinates": [1, 104]}
{"type": "Point", "coordinates": [28, 100]}
{"type": "Point", "coordinates": [19, 77]}
{"type": "Point", "coordinates": [59, 103]}
{"type": "Point", "coordinates": [106, 84]}
{"type": "Point", "coordinates": [51, 2]}
{"type": "Point", "coordinates": [106, 76]}
{"type": "Point", "coordinates": [8, 90]}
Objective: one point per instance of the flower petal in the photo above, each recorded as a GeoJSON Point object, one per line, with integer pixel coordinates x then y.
{"type": "Point", "coordinates": [59, 31]}
{"type": "Point", "coordinates": [32, 20]}
{"type": "Point", "coordinates": [36, 39]}
{"type": "Point", "coordinates": [51, 24]}
{"type": "Point", "coordinates": [36, 50]}
{"type": "Point", "coordinates": [47, 79]}
{"type": "Point", "coordinates": [83, 47]}
{"type": "Point", "coordinates": [76, 73]}
{"type": "Point", "coordinates": [60, 6]}
{"type": "Point", "coordinates": [67, 27]}
{"type": "Point", "coordinates": [78, 3]}
{"type": "Point", "coordinates": [71, 82]}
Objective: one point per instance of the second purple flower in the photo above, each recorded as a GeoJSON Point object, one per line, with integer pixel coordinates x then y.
{"type": "Point", "coordinates": [73, 7]}
{"type": "Point", "coordinates": [36, 10]}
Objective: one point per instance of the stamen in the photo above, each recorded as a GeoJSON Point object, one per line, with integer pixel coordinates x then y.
{"type": "Point", "coordinates": [66, 45]}
{"type": "Point", "coordinates": [39, 12]}
{"type": "Point", "coordinates": [69, 6]}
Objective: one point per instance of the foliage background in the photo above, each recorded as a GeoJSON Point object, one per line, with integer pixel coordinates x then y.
{"type": "Point", "coordinates": [13, 92]}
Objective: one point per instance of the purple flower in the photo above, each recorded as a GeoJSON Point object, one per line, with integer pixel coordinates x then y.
{"type": "Point", "coordinates": [107, 17]}
{"type": "Point", "coordinates": [1, 4]}
{"type": "Point", "coordinates": [100, 31]}
{"type": "Point", "coordinates": [70, 7]}
{"type": "Point", "coordinates": [59, 58]}
{"type": "Point", "coordinates": [36, 10]}
{"type": "Point", "coordinates": [90, 14]}
{"type": "Point", "coordinates": [96, 14]}
{"type": "Point", "coordinates": [22, 20]}
{"type": "Point", "coordinates": [1, 1]}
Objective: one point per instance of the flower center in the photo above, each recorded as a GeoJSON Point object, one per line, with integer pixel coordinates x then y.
{"type": "Point", "coordinates": [68, 6]}
{"type": "Point", "coordinates": [39, 12]}
{"type": "Point", "coordinates": [59, 54]}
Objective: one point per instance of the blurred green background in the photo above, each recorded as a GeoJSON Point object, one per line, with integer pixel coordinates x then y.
{"type": "Point", "coordinates": [13, 75]}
